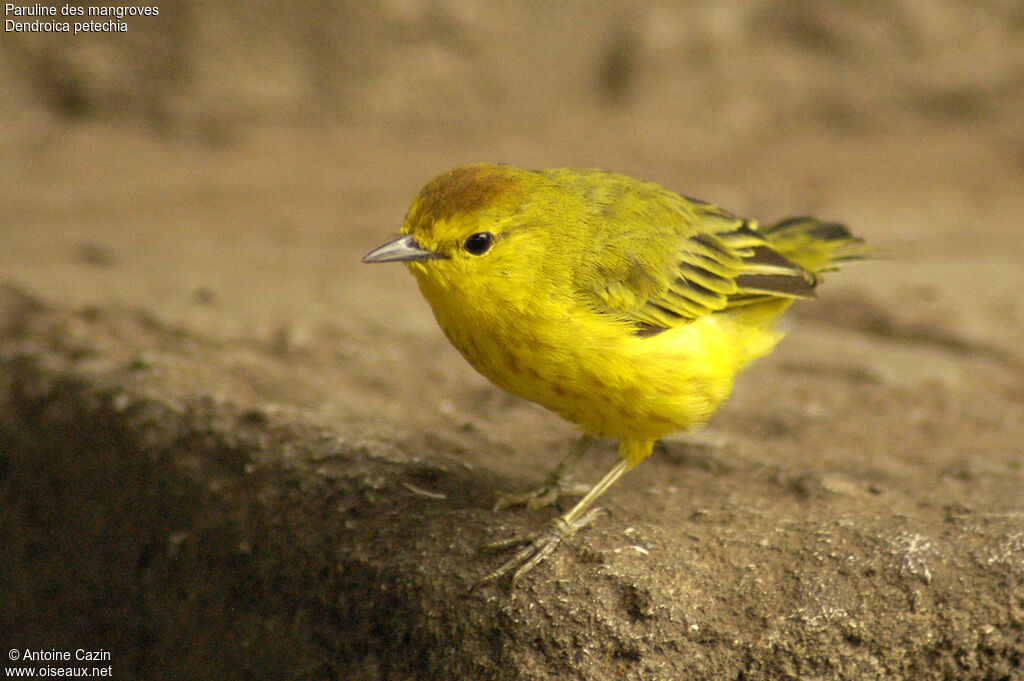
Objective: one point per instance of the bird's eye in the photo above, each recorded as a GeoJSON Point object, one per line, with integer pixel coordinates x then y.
{"type": "Point", "coordinates": [479, 243]}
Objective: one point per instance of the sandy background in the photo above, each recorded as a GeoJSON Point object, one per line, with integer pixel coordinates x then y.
{"type": "Point", "coordinates": [220, 171]}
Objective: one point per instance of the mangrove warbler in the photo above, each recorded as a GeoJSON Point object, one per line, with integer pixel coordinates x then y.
{"type": "Point", "coordinates": [614, 302]}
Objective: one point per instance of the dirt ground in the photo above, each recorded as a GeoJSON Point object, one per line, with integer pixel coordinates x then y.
{"type": "Point", "coordinates": [230, 450]}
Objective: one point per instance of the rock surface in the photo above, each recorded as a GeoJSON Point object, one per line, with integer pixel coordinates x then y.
{"type": "Point", "coordinates": [228, 450]}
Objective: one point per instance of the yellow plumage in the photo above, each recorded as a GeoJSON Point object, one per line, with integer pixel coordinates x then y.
{"type": "Point", "coordinates": [622, 306]}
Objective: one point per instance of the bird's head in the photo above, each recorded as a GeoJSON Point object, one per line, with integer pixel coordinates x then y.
{"type": "Point", "coordinates": [476, 230]}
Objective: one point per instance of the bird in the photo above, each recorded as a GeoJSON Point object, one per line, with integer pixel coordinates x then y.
{"type": "Point", "coordinates": [624, 307]}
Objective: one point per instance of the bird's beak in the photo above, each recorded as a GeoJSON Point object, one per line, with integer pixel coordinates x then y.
{"type": "Point", "coordinates": [402, 249]}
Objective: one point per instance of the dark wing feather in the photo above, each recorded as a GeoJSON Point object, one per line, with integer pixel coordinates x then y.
{"type": "Point", "coordinates": [716, 271]}
{"type": "Point", "coordinates": [668, 260]}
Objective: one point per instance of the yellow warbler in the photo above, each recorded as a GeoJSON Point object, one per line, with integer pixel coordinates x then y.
{"type": "Point", "coordinates": [625, 308]}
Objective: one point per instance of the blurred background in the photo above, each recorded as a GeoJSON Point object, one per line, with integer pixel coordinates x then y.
{"type": "Point", "coordinates": [225, 166]}
{"type": "Point", "coordinates": [200, 188]}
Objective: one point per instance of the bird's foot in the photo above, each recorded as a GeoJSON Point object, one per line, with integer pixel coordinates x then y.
{"type": "Point", "coordinates": [545, 495]}
{"type": "Point", "coordinates": [537, 547]}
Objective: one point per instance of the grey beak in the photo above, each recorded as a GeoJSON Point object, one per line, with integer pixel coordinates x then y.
{"type": "Point", "coordinates": [402, 249]}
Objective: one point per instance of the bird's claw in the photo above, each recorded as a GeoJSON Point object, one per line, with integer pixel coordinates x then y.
{"type": "Point", "coordinates": [538, 546]}
{"type": "Point", "coordinates": [545, 495]}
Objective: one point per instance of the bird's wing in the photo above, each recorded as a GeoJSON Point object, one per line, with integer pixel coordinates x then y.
{"type": "Point", "coordinates": [662, 260]}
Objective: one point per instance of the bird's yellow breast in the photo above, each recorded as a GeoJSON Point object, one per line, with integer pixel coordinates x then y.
{"type": "Point", "coordinates": [593, 369]}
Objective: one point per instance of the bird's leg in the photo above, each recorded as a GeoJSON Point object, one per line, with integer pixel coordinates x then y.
{"type": "Point", "coordinates": [555, 485]}
{"type": "Point", "coordinates": [538, 546]}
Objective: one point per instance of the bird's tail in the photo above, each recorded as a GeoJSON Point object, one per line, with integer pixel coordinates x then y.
{"type": "Point", "coordinates": [814, 245]}
{"type": "Point", "coordinates": [810, 244]}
